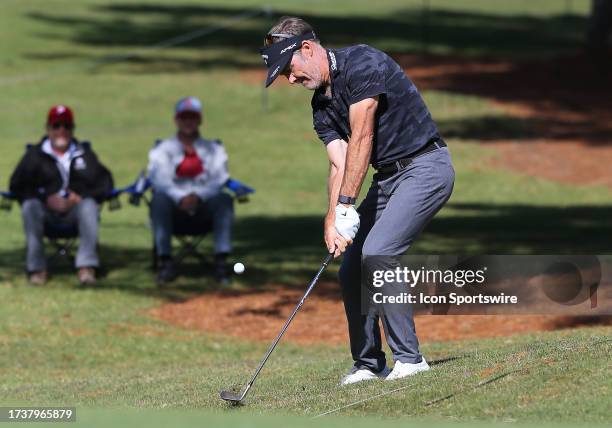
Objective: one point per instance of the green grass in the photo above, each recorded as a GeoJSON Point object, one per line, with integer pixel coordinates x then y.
{"type": "Point", "coordinates": [98, 348]}
{"type": "Point", "coordinates": [71, 352]}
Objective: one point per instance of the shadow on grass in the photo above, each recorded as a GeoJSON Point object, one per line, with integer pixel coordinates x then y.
{"type": "Point", "coordinates": [524, 229]}
{"type": "Point", "coordinates": [284, 250]}
{"type": "Point", "coordinates": [288, 250]}
{"type": "Point", "coordinates": [494, 128]}
{"type": "Point", "coordinates": [554, 87]}
{"type": "Point", "coordinates": [487, 128]}
{"type": "Point", "coordinates": [560, 99]}
{"type": "Point", "coordinates": [136, 26]}
{"type": "Point", "coordinates": [468, 389]}
{"type": "Point", "coordinates": [441, 361]}
{"type": "Point", "coordinates": [582, 321]}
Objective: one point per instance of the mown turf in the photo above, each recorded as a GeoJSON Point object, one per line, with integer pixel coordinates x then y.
{"type": "Point", "coordinates": [97, 347]}
{"type": "Point", "coordinates": [92, 348]}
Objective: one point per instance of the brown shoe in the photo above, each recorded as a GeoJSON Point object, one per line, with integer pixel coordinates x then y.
{"type": "Point", "coordinates": [38, 278]}
{"type": "Point", "coordinates": [86, 275]}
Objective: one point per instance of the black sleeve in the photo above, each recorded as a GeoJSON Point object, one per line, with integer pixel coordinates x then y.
{"type": "Point", "coordinates": [325, 132]}
{"type": "Point", "coordinates": [103, 183]}
{"type": "Point", "coordinates": [21, 183]}
{"type": "Point", "coordinates": [100, 182]}
{"type": "Point", "coordinates": [366, 74]}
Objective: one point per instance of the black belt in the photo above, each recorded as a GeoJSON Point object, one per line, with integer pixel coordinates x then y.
{"type": "Point", "coordinates": [398, 165]}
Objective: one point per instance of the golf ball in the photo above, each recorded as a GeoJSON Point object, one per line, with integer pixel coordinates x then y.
{"type": "Point", "coordinates": [238, 268]}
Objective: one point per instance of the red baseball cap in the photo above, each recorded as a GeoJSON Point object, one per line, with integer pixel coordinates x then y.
{"type": "Point", "coordinates": [60, 114]}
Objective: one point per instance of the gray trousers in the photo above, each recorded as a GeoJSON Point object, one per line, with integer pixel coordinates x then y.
{"type": "Point", "coordinates": [217, 214]}
{"type": "Point", "coordinates": [85, 215]}
{"type": "Point", "coordinates": [395, 210]}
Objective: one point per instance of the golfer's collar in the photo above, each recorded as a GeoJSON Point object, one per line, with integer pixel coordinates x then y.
{"type": "Point", "coordinates": [332, 62]}
{"type": "Point", "coordinates": [332, 59]}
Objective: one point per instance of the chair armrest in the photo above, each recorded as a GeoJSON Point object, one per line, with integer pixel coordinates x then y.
{"type": "Point", "coordinates": [6, 200]}
{"type": "Point", "coordinates": [241, 191]}
{"type": "Point", "coordinates": [136, 190]}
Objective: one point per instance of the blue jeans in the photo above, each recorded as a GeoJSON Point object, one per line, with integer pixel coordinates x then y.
{"type": "Point", "coordinates": [216, 214]}
{"type": "Point", "coordinates": [85, 215]}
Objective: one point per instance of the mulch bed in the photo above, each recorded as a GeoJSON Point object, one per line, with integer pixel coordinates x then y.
{"type": "Point", "coordinates": [259, 315]}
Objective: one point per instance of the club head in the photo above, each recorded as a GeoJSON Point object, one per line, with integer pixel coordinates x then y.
{"type": "Point", "coordinates": [232, 397]}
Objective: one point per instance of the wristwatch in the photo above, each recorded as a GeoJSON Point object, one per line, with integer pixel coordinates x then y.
{"type": "Point", "coordinates": [342, 199]}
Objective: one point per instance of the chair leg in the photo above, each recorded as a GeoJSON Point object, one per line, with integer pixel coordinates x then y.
{"type": "Point", "coordinates": [183, 251]}
{"type": "Point", "coordinates": [154, 261]}
{"type": "Point", "coordinates": [196, 252]}
{"type": "Point", "coordinates": [63, 248]}
{"type": "Point", "coordinates": [189, 247]}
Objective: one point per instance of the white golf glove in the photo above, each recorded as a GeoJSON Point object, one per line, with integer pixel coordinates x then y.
{"type": "Point", "coordinates": [347, 221]}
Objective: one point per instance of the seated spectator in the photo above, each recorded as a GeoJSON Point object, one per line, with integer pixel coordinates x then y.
{"type": "Point", "coordinates": [187, 173]}
{"type": "Point", "coordinates": [61, 181]}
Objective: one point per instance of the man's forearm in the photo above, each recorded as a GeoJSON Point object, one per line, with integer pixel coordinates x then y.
{"type": "Point", "coordinates": [356, 167]}
{"type": "Point", "coordinates": [362, 115]}
{"type": "Point", "coordinates": [333, 188]}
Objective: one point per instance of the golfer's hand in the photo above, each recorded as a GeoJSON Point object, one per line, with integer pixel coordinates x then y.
{"type": "Point", "coordinates": [333, 240]}
{"type": "Point", "coordinates": [189, 202]}
{"type": "Point", "coordinates": [58, 203]}
{"type": "Point", "coordinates": [347, 221]}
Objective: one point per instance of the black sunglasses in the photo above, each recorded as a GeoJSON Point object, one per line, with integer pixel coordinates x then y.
{"type": "Point", "coordinates": [188, 115]}
{"type": "Point", "coordinates": [59, 125]}
{"type": "Point", "coordinates": [269, 39]}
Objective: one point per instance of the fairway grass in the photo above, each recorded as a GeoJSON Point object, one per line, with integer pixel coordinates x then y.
{"type": "Point", "coordinates": [98, 349]}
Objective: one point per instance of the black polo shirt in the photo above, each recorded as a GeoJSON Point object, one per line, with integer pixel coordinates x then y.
{"type": "Point", "coordinates": [403, 122]}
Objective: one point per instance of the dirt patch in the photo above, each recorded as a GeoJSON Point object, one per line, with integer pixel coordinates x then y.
{"type": "Point", "coordinates": [254, 76]}
{"type": "Point", "coordinates": [570, 162]}
{"type": "Point", "coordinates": [569, 97]}
{"type": "Point", "coordinates": [562, 110]}
{"type": "Point", "coordinates": [561, 106]}
{"type": "Point", "coordinates": [259, 315]}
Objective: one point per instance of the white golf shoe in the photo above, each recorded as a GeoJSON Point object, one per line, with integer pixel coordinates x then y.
{"type": "Point", "coordinates": [359, 375]}
{"type": "Point", "coordinates": [402, 370]}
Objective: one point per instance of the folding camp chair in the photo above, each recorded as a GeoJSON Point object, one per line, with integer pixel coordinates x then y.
{"type": "Point", "coordinates": [189, 234]}
{"type": "Point", "coordinates": [63, 236]}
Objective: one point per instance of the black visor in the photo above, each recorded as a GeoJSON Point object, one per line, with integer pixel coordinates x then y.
{"type": "Point", "coordinates": [278, 55]}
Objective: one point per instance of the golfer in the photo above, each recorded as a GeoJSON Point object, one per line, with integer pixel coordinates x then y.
{"type": "Point", "coordinates": [367, 111]}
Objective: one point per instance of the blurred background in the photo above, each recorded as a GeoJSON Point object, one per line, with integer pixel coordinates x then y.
{"type": "Point", "coordinates": [521, 91]}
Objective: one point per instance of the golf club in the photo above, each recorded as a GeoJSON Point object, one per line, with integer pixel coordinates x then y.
{"type": "Point", "coordinates": [235, 397]}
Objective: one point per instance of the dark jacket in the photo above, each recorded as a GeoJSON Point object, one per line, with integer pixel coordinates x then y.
{"type": "Point", "coordinates": [37, 175]}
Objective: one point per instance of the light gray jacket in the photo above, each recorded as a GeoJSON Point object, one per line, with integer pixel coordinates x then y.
{"type": "Point", "coordinates": [165, 157]}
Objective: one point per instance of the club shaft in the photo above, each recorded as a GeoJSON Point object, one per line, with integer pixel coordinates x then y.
{"type": "Point", "coordinates": [327, 260]}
